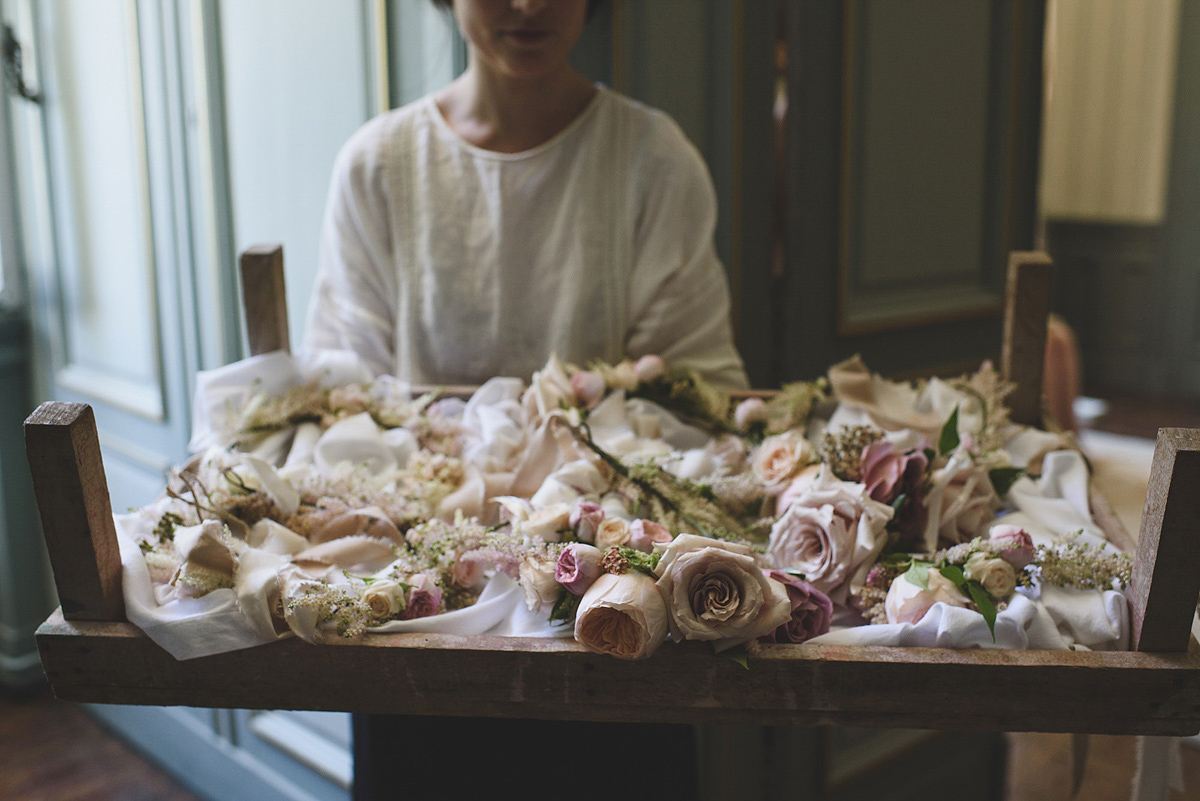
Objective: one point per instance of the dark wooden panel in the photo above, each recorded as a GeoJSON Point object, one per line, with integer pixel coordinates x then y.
{"type": "Point", "coordinates": [485, 676]}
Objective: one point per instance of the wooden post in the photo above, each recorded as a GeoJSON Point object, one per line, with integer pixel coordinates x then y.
{"type": "Point", "coordinates": [1166, 572]}
{"type": "Point", "coordinates": [1023, 351]}
{"type": "Point", "coordinates": [264, 299]}
{"type": "Point", "coordinates": [72, 496]}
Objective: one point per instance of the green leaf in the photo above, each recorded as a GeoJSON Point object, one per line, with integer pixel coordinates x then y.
{"type": "Point", "coordinates": [948, 440]}
{"type": "Point", "coordinates": [897, 559]}
{"type": "Point", "coordinates": [918, 573]}
{"type": "Point", "coordinates": [1004, 477]}
{"type": "Point", "coordinates": [984, 602]}
{"type": "Point", "coordinates": [954, 574]}
{"type": "Point", "coordinates": [899, 502]}
{"type": "Point", "coordinates": [565, 608]}
{"type": "Point", "coordinates": [737, 654]}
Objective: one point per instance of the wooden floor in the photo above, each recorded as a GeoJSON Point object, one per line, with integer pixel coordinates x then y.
{"type": "Point", "coordinates": [52, 751]}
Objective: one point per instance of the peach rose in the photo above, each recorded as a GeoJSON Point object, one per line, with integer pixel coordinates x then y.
{"type": "Point", "coordinates": [780, 457]}
{"type": "Point", "coordinates": [622, 615]}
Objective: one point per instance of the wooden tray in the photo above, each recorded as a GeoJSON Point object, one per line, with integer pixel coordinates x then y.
{"type": "Point", "coordinates": [90, 654]}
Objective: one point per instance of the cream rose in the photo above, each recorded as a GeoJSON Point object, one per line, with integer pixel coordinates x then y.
{"type": "Point", "coordinates": [779, 458]}
{"type": "Point", "coordinates": [906, 602]}
{"type": "Point", "coordinates": [994, 573]}
{"type": "Point", "coordinates": [547, 524]}
{"type": "Point", "coordinates": [620, 376]}
{"type": "Point", "coordinates": [831, 533]}
{"type": "Point", "coordinates": [612, 531]}
{"type": "Point", "coordinates": [716, 591]}
{"type": "Point", "coordinates": [385, 598]}
{"type": "Point", "coordinates": [536, 576]}
{"type": "Point", "coordinates": [622, 615]}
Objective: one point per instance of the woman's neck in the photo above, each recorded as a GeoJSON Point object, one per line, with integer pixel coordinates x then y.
{"type": "Point", "coordinates": [513, 115]}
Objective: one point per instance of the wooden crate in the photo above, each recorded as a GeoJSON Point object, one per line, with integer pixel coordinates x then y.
{"type": "Point", "coordinates": [91, 654]}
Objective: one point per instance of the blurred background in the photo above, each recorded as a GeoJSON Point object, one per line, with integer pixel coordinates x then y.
{"type": "Point", "coordinates": [875, 162]}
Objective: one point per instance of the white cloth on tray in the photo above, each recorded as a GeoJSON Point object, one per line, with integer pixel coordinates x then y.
{"type": "Point", "coordinates": [1048, 507]}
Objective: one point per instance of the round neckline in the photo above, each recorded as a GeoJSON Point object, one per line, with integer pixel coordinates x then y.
{"type": "Point", "coordinates": [448, 131]}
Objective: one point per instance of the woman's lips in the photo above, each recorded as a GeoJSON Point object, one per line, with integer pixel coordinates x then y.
{"type": "Point", "coordinates": [527, 36]}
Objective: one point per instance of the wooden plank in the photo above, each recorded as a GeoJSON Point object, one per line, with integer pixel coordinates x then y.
{"type": "Point", "coordinates": [72, 496]}
{"type": "Point", "coordinates": [1023, 349]}
{"type": "Point", "coordinates": [1166, 572]}
{"type": "Point", "coordinates": [489, 676]}
{"type": "Point", "coordinates": [264, 299]}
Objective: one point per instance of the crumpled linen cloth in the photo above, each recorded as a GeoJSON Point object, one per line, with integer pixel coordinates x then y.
{"type": "Point", "coordinates": [501, 454]}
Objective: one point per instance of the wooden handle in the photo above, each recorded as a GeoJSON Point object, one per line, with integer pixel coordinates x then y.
{"type": "Point", "coordinates": [1023, 350]}
{"type": "Point", "coordinates": [72, 496]}
{"type": "Point", "coordinates": [1166, 572]}
{"type": "Point", "coordinates": [265, 299]}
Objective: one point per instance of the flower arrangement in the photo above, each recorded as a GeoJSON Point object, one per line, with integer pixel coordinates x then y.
{"type": "Point", "coordinates": [631, 503]}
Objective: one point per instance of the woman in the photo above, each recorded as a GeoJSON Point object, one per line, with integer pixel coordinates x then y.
{"type": "Point", "coordinates": [518, 212]}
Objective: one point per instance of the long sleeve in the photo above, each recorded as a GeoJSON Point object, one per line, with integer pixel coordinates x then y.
{"type": "Point", "coordinates": [353, 305]}
{"type": "Point", "coordinates": [679, 291]}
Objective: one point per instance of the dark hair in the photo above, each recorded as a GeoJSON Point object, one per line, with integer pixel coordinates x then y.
{"type": "Point", "coordinates": [447, 5]}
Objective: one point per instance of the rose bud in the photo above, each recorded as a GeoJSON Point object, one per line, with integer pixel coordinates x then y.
{"type": "Point", "coordinates": [424, 598]}
{"type": "Point", "coordinates": [589, 388]}
{"type": "Point", "coordinates": [749, 412]}
{"type": "Point", "coordinates": [585, 518]}
{"type": "Point", "coordinates": [577, 567]}
{"type": "Point", "coordinates": [1015, 544]}
{"type": "Point", "coordinates": [649, 367]}
{"type": "Point", "coordinates": [643, 534]}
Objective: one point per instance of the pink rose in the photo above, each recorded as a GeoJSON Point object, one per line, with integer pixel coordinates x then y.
{"type": "Point", "coordinates": [1014, 544]}
{"type": "Point", "coordinates": [643, 534]}
{"type": "Point", "coordinates": [424, 598]}
{"type": "Point", "coordinates": [468, 570]}
{"type": "Point", "coordinates": [907, 602]}
{"type": "Point", "coordinates": [649, 367]}
{"type": "Point", "coordinates": [589, 388]}
{"type": "Point", "coordinates": [812, 610]}
{"type": "Point", "coordinates": [577, 567]}
{"type": "Point", "coordinates": [830, 533]}
{"type": "Point", "coordinates": [585, 518]}
{"type": "Point", "coordinates": [888, 473]}
{"type": "Point", "coordinates": [749, 412]}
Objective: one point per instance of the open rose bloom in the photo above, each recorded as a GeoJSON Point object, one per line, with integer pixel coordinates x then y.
{"type": "Point", "coordinates": [716, 591]}
{"type": "Point", "coordinates": [831, 533]}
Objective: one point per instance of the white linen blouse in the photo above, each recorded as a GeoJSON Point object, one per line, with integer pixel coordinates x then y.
{"type": "Point", "coordinates": [442, 262]}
